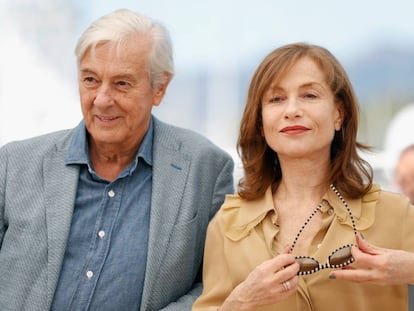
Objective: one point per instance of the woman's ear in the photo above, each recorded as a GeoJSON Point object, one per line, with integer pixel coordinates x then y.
{"type": "Point", "coordinates": [339, 117]}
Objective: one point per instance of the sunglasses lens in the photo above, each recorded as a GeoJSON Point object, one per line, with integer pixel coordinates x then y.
{"type": "Point", "coordinates": [341, 257]}
{"type": "Point", "coordinates": [307, 264]}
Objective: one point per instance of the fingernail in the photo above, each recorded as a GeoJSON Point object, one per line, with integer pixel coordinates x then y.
{"type": "Point", "coordinates": [362, 236]}
{"type": "Point", "coordinates": [332, 276]}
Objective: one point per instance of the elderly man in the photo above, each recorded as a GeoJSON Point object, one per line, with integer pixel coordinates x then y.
{"type": "Point", "coordinates": [110, 215]}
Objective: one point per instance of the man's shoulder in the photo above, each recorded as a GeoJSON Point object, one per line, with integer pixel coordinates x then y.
{"type": "Point", "coordinates": [163, 128]}
{"type": "Point", "coordinates": [183, 138]}
{"type": "Point", "coordinates": [57, 139]}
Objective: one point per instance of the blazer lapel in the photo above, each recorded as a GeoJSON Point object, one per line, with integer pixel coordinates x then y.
{"type": "Point", "coordinates": [170, 171]}
{"type": "Point", "coordinates": [60, 192]}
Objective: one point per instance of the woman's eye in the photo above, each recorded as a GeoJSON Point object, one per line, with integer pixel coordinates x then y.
{"type": "Point", "coordinates": [276, 99]}
{"type": "Point", "coordinates": [310, 95]}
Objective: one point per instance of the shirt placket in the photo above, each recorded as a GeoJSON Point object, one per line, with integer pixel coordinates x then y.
{"type": "Point", "coordinates": [100, 245]}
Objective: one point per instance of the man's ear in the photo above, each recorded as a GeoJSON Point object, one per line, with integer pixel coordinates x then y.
{"type": "Point", "coordinates": [160, 89]}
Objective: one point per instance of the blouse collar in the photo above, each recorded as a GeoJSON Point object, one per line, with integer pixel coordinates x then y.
{"type": "Point", "coordinates": [243, 216]}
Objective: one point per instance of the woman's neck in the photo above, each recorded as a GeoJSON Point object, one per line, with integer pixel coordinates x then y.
{"type": "Point", "coordinates": [303, 179]}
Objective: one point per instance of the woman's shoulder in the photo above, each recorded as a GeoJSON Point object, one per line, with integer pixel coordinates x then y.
{"type": "Point", "coordinates": [232, 201]}
{"type": "Point", "coordinates": [377, 193]}
{"type": "Point", "coordinates": [384, 202]}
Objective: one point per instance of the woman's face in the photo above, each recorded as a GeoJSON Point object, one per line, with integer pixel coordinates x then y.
{"type": "Point", "coordinates": [299, 113]}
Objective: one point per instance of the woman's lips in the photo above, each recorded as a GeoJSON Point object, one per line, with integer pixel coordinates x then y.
{"type": "Point", "coordinates": [296, 129]}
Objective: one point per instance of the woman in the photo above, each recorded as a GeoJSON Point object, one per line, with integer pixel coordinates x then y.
{"type": "Point", "coordinates": [296, 235]}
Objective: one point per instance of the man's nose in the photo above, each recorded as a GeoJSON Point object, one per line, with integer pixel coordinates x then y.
{"type": "Point", "coordinates": [103, 95]}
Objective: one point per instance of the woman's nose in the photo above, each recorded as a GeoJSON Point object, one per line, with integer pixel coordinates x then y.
{"type": "Point", "coordinates": [292, 108]}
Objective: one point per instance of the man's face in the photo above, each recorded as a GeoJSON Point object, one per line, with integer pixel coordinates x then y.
{"type": "Point", "coordinates": [404, 174]}
{"type": "Point", "coordinates": [115, 91]}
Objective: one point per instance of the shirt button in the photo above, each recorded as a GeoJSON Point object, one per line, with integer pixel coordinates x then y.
{"type": "Point", "coordinates": [101, 234]}
{"type": "Point", "coordinates": [89, 274]}
{"type": "Point", "coordinates": [324, 202]}
{"type": "Point", "coordinates": [111, 193]}
{"type": "Point", "coordinates": [330, 211]}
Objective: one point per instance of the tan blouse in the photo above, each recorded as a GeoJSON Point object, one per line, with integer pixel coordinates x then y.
{"type": "Point", "coordinates": [242, 235]}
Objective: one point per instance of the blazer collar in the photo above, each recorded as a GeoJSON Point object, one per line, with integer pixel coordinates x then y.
{"type": "Point", "coordinates": [60, 185]}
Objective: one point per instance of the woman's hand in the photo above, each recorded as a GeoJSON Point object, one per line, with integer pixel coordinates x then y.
{"type": "Point", "coordinates": [378, 265]}
{"type": "Point", "coordinates": [272, 281]}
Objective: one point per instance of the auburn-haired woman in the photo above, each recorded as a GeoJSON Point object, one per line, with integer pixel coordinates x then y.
{"type": "Point", "coordinates": [308, 229]}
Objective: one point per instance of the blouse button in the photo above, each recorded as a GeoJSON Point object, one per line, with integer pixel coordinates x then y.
{"type": "Point", "coordinates": [330, 211]}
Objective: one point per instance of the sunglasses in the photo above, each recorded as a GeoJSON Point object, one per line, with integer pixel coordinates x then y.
{"type": "Point", "coordinates": [339, 258]}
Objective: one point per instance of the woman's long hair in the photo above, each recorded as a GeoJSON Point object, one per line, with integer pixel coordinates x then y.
{"type": "Point", "coordinates": [351, 174]}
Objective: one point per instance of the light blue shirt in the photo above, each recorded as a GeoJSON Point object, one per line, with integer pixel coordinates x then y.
{"type": "Point", "coordinates": [106, 252]}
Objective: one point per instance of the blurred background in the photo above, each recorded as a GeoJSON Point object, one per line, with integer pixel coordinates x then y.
{"type": "Point", "coordinates": [217, 45]}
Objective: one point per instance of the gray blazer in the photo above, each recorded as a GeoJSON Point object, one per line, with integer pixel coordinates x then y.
{"type": "Point", "coordinates": [37, 192]}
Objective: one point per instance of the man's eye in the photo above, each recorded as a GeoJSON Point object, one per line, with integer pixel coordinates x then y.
{"type": "Point", "coordinates": [89, 80]}
{"type": "Point", "coordinates": [122, 83]}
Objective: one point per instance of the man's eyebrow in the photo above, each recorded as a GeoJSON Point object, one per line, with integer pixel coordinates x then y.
{"type": "Point", "coordinates": [87, 71]}
{"type": "Point", "coordinates": [126, 76]}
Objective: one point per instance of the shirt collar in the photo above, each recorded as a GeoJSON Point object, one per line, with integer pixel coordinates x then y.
{"type": "Point", "coordinates": [249, 214]}
{"type": "Point", "coordinates": [244, 215]}
{"type": "Point", "coordinates": [78, 151]}
{"type": "Point", "coordinates": [363, 209]}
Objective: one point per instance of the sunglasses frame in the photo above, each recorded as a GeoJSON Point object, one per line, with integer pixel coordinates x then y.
{"type": "Point", "coordinates": [327, 265]}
